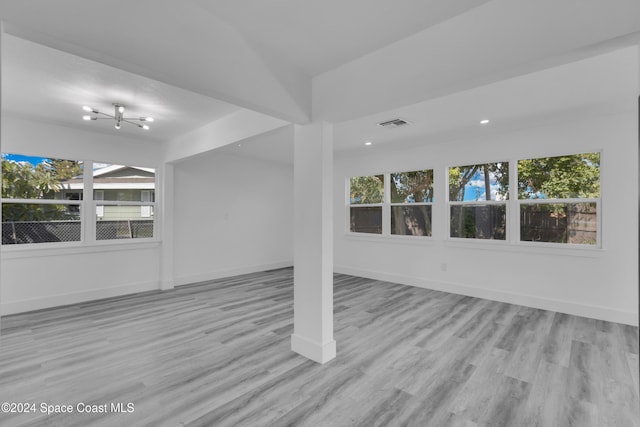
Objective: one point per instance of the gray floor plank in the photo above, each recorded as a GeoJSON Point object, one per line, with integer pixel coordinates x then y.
{"type": "Point", "coordinates": [218, 353]}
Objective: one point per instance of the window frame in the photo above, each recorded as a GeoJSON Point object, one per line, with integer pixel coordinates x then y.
{"type": "Point", "coordinates": [392, 204]}
{"type": "Point", "coordinates": [506, 203]}
{"type": "Point", "coordinates": [366, 205]}
{"type": "Point", "coordinates": [386, 206]}
{"type": "Point", "coordinates": [441, 212]}
{"type": "Point", "coordinates": [87, 218]}
{"type": "Point", "coordinates": [549, 201]}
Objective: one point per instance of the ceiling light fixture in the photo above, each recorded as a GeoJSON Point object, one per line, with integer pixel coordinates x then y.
{"type": "Point", "coordinates": [484, 121]}
{"type": "Point", "coordinates": [368, 143]}
{"type": "Point", "coordinates": [118, 116]}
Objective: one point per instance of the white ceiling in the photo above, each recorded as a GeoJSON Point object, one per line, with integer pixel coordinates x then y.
{"type": "Point", "coordinates": [319, 36]}
{"type": "Point", "coordinates": [46, 84]}
{"type": "Point", "coordinates": [171, 59]}
{"type": "Point", "coordinates": [598, 85]}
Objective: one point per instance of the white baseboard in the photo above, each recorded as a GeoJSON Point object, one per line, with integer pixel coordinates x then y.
{"type": "Point", "coordinates": [22, 306]}
{"type": "Point", "coordinates": [229, 272]}
{"type": "Point", "coordinates": [312, 350]}
{"type": "Point", "coordinates": [569, 307]}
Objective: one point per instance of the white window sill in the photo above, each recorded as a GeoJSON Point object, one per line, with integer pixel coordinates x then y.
{"type": "Point", "coordinates": [491, 245]}
{"type": "Point", "coordinates": [394, 239]}
{"type": "Point", "coordinates": [542, 248]}
{"type": "Point", "coordinates": [74, 248]}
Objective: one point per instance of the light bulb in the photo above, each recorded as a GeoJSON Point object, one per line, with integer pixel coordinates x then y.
{"type": "Point", "coordinates": [148, 119]}
{"type": "Point", "coordinates": [145, 127]}
{"type": "Point", "coordinates": [85, 108]}
{"type": "Point", "coordinates": [117, 125]}
{"type": "Point", "coordinates": [121, 109]}
{"type": "Point", "coordinates": [86, 117]}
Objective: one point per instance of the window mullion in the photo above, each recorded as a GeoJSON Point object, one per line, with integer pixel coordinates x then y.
{"type": "Point", "coordinates": [513, 220]}
{"type": "Point", "coordinates": [386, 207]}
{"type": "Point", "coordinates": [88, 205]}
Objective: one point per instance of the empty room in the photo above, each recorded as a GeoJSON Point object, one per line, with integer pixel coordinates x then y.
{"type": "Point", "coordinates": [287, 213]}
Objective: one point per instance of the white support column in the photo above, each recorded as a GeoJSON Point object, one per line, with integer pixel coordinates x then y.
{"type": "Point", "coordinates": [166, 227]}
{"type": "Point", "coordinates": [638, 179]}
{"type": "Point", "coordinates": [313, 242]}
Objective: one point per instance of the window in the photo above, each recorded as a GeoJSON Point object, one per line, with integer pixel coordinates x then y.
{"type": "Point", "coordinates": [399, 203]}
{"type": "Point", "coordinates": [478, 197]}
{"type": "Point", "coordinates": [559, 199]}
{"type": "Point", "coordinates": [43, 201]}
{"type": "Point", "coordinates": [366, 196]}
{"type": "Point", "coordinates": [36, 206]}
{"type": "Point", "coordinates": [125, 201]}
{"type": "Point", "coordinates": [411, 202]}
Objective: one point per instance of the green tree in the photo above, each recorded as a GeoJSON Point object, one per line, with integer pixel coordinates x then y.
{"type": "Point", "coordinates": [414, 186]}
{"type": "Point", "coordinates": [65, 169]}
{"type": "Point", "coordinates": [22, 180]}
{"type": "Point", "coordinates": [460, 176]}
{"type": "Point", "coordinates": [573, 176]}
{"type": "Point", "coordinates": [366, 189]}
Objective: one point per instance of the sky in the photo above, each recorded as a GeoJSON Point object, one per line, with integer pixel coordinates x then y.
{"type": "Point", "coordinates": [475, 188]}
{"type": "Point", "coordinates": [34, 160]}
{"type": "Point", "coordinates": [20, 158]}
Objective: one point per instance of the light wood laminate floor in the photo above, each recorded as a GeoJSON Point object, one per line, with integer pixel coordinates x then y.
{"type": "Point", "coordinates": [218, 354]}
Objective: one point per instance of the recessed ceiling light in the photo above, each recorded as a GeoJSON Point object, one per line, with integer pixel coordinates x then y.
{"type": "Point", "coordinates": [484, 121]}
{"type": "Point", "coordinates": [368, 143]}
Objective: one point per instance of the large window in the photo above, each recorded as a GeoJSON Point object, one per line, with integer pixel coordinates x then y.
{"type": "Point", "coordinates": [478, 197]}
{"type": "Point", "coordinates": [553, 200]}
{"type": "Point", "coordinates": [366, 196]}
{"type": "Point", "coordinates": [45, 200]}
{"type": "Point", "coordinates": [124, 202]}
{"type": "Point", "coordinates": [559, 199]}
{"type": "Point", "coordinates": [411, 200]}
{"type": "Point", "coordinates": [36, 206]}
{"type": "Point", "coordinates": [399, 203]}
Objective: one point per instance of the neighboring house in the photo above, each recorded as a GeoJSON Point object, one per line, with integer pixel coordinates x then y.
{"type": "Point", "coordinates": [120, 184]}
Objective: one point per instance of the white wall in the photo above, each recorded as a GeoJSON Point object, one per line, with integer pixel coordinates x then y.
{"type": "Point", "coordinates": [596, 283]}
{"type": "Point", "coordinates": [232, 215]}
{"type": "Point", "coordinates": [39, 278]}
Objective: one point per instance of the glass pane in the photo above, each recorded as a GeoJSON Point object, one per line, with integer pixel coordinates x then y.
{"type": "Point", "coordinates": [120, 183]}
{"type": "Point", "coordinates": [489, 181]}
{"type": "Point", "coordinates": [124, 222]}
{"type": "Point", "coordinates": [366, 219]}
{"type": "Point", "coordinates": [37, 223]}
{"type": "Point", "coordinates": [411, 220]}
{"type": "Point", "coordinates": [366, 189]}
{"type": "Point", "coordinates": [574, 223]}
{"type": "Point", "coordinates": [562, 177]}
{"type": "Point", "coordinates": [479, 222]}
{"type": "Point", "coordinates": [412, 187]}
{"type": "Point", "coordinates": [30, 177]}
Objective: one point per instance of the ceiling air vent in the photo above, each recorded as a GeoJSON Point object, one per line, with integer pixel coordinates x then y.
{"type": "Point", "coordinates": [392, 124]}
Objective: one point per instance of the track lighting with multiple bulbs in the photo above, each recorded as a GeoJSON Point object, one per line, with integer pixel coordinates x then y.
{"type": "Point", "coordinates": [118, 116]}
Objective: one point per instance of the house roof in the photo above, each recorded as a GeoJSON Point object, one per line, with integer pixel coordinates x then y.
{"type": "Point", "coordinates": [105, 171]}
{"type": "Point", "coordinates": [116, 177]}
